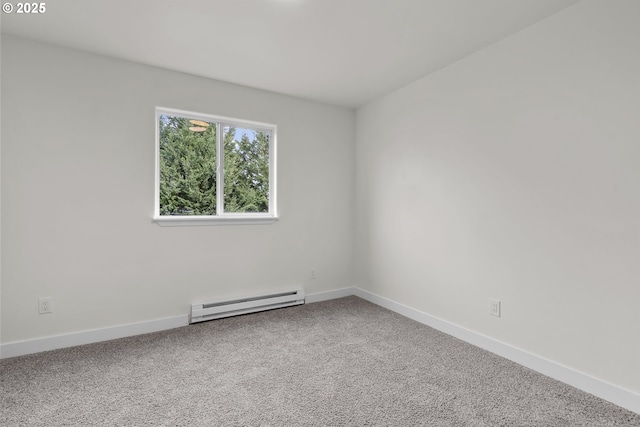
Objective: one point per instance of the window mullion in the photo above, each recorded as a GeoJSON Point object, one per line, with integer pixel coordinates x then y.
{"type": "Point", "coordinates": [220, 169]}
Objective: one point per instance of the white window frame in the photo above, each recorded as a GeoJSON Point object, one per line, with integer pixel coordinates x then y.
{"type": "Point", "coordinates": [221, 217]}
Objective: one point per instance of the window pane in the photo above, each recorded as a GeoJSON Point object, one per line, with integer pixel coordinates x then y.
{"type": "Point", "coordinates": [246, 170]}
{"type": "Point", "coordinates": [187, 166]}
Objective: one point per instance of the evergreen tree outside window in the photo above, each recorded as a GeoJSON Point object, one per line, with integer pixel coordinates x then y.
{"type": "Point", "coordinates": [212, 169]}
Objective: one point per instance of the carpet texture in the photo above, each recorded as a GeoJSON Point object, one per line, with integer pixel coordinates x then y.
{"type": "Point", "coordinates": [344, 362]}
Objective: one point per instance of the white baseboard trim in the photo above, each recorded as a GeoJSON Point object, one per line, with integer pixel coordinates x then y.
{"type": "Point", "coordinates": [620, 396]}
{"type": "Point", "coordinates": [19, 348]}
{"type": "Point", "coordinates": [324, 296]}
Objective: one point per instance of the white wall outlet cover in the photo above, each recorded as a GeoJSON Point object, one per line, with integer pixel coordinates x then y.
{"type": "Point", "coordinates": [45, 305]}
{"type": "Point", "coordinates": [494, 307]}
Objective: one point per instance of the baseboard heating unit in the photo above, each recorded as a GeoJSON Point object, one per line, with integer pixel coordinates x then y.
{"type": "Point", "coordinates": [234, 307]}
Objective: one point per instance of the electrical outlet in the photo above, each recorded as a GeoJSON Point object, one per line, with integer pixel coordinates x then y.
{"type": "Point", "coordinates": [313, 274]}
{"type": "Point", "coordinates": [494, 307]}
{"type": "Point", "coordinates": [45, 305]}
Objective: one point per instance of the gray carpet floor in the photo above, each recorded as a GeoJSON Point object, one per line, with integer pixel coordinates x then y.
{"type": "Point", "coordinates": [344, 362]}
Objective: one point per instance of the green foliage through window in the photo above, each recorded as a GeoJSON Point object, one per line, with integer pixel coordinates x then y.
{"type": "Point", "coordinates": [189, 164]}
{"type": "Point", "coordinates": [246, 171]}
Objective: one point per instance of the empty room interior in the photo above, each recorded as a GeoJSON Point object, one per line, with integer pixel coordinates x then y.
{"type": "Point", "coordinates": [460, 175]}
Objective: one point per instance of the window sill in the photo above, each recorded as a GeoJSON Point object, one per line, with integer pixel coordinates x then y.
{"type": "Point", "coordinates": [186, 221]}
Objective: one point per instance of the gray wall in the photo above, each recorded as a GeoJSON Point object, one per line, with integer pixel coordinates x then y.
{"type": "Point", "coordinates": [515, 174]}
{"type": "Point", "coordinates": [78, 191]}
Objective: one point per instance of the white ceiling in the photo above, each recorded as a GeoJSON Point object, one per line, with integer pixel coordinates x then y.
{"type": "Point", "coordinates": [342, 52]}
